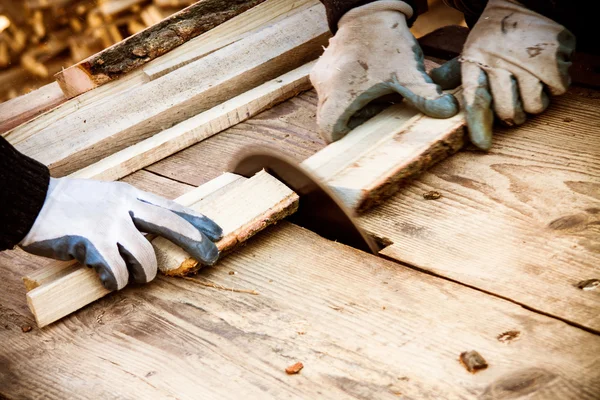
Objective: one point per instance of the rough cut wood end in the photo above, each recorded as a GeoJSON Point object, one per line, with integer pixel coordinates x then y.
{"type": "Point", "coordinates": [76, 80]}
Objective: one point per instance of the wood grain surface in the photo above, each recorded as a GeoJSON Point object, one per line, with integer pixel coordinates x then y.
{"type": "Point", "coordinates": [362, 326]}
{"type": "Point", "coordinates": [520, 222]}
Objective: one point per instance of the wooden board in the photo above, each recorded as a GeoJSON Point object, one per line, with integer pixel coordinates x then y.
{"type": "Point", "coordinates": [87, 101]}
{"type": "Point", "coordinates": [199, 127]}
{"type": "Point", "coordinates": [149, 44]}
{"type": "Point", "coordinates": [23, 108]}
{"type": "Point", "coordinates": [374, 160]}
{"type": "Point", "coordinates": [62, 288]}
{"type": "Point", "coordinates": [362, 326]}
{"type": "Point", "coordinates": [82, 138]}
{"type": "Point", "coordinates": [520, 222]}
{"type": "Point", "coordinates": [236, 28]}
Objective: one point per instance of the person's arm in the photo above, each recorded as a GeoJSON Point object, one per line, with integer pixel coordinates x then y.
{"type": "Point", "coordinates": [97, 223]}
{"type": "Point", "coordinates": [23, 187]}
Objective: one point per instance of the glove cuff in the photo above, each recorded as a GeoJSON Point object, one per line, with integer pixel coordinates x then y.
{"type": "Point", "coordinates": [382, 5]}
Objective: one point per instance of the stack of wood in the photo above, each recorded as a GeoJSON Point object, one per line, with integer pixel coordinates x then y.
{"type": "Point", "coordinates": [40, 37]}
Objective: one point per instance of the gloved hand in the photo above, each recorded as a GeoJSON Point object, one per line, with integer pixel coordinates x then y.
{"type": "Point", "coordinates": [373, 54]}
{"type": "Point", "coordinates": [512, 59]}
{"type": "Point", "coordinates": [99, 224]}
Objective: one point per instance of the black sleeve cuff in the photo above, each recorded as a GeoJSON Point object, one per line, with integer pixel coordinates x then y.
{"type": "Point", "coordinates": [23, 187]}
{"type": "Point", "coordinates": [337, 8]}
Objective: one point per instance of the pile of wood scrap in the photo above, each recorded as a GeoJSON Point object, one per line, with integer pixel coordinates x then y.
{"type": "Point", "coordinates": [40, 37]}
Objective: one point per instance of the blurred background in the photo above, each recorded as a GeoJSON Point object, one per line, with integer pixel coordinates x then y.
{"type": "Point", "coordinates": [40, 37]}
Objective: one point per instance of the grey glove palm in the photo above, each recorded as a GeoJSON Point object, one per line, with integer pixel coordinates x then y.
{"type": "Point", "coordinates": [99, 224]}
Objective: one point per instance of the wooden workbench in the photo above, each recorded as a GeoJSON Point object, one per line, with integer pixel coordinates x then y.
{"type": "Point", "coordinates": [493, 266]}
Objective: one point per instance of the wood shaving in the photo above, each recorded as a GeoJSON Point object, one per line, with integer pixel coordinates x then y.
{"type": "Point", "coordinates": [294, 369]}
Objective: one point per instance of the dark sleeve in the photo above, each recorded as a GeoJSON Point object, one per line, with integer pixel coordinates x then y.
{"type": "Point", "coordinates": [337, 8]}
{"type": "Point", "coordinates": [23, 186]}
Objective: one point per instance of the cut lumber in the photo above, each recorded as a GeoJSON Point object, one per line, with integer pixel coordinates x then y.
{"type": "Point", "coordinates": [149, 44]}
{"type": "Point", "coordinates": [242, 207]}
{"type": "Point", "coordinates": [247, 23]}
{"type": "Point", "coordinates": [24, 108]}
{"type": "Point", "coordinates": [230, 31]}
{"type": "Point", "coordinates": [199, 127]}
{"type": "Point", "coordinates": [373, 161]}
{"type": "Point", "coordinates": [83, 137]}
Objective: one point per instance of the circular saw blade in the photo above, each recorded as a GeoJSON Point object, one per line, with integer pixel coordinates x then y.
{"type": "Point", "coordinates": [319, 210]}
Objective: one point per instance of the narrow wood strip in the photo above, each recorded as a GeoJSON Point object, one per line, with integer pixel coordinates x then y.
{"type": "Point", "coordinates": [149, 44]}
{"type": "Point", "coordinates": [242, 211]}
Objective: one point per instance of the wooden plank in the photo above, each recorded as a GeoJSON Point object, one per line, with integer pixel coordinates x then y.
{"type": "Point", "coordinates": [375, 159]}
{"type": "Point", "coordinates": [242, 207]}
{"type": "Point", "coordinates": [243, 25]}
{"type": "Point", "coordinates": [24, 108]}
{"type": "Point", "coordinates": [228, 32]}
{"type": "Point", "coordinates": [520, 222]}
{"type": "Point", "coordinates": [401, 155]}
{"type": "Point", "coordinates": [289, 128]}
{"type": "Point", "coordinates": [199, 127]}
{"type": "Point", "coordinates": [362, 326]}
{"type": "Point", "coordinates": [149, 44]}
{"type": "Point", "coordinates": [86, 101]}
{"type": "Point", "coordinates": [82, 138]}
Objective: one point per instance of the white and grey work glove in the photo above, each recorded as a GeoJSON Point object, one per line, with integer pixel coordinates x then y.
{"type": "Point", "coordinates": [99, 224]}
{"type": "Point", "coordinates": [512, 60]}
{"type": "Point", "coordinates": [373, 54]}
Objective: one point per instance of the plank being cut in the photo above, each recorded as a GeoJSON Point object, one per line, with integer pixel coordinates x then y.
{"type": "Point", "coordinates": [409, 150]}
{"type": "Point", "coordinates": [242, 207]}
{"type": "Point", "coordinates": [149, 44]}
{"type": "Point", "coordinates": [363, 327]}
{"type": "Point", "coordinates": [521, 222]}
{"type": "Point", "coordinates": [199, 127]}
{"type": "Point", "coordinates": [81, 138]}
